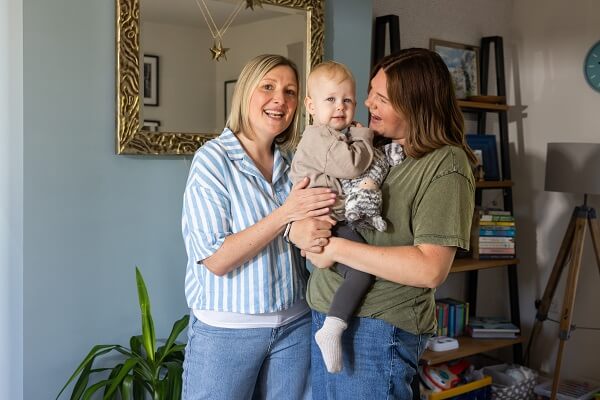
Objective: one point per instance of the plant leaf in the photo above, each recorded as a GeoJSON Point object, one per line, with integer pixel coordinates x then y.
{"type": "Point", "coordinates": [113, 373]}
{"type": "Point", "coordinates": [148, 335]}
{"type": "Point", "coordinates": [174, 379]}
{"type": "Point", "coordinates": [89, 359]}
{"type": "Point", "coordinates": [117, 380]}
{"type": "Point", "coordinates": [126, 389]}
{"type": "Point", "coordinates": [135, 343]}
{"type": "Point", "coordinates": [94, 388]}
{"type": "Point", "coordinates": [178, 327]}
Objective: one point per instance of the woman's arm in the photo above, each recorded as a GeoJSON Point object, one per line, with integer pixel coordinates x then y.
{"type": "Point", "coordinates": [240, 247]}
{"type": "Point", "coordinates": [423, 265]}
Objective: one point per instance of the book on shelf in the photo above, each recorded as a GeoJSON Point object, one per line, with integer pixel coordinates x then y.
{"type": "Point", "coordinates": [496, 223]}
{"type": "Point", "coordinates": [492, 328]}
{"type": "Point", "coordinates": [497, 232]}
{"type": "Point", "coordinates": [496, 218]}
{"type": "Point", "coordinates": [452, 317]}
{"type": "Point", "coordinates": [493, 335]}
{"type": "Point", "coordinates": [496, 256]}
{"type": "Point", "coordinates": [496, 250]}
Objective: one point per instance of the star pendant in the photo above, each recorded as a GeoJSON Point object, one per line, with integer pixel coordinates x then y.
{"type": "Point", "coordinates": [218, 51]}
{"type": "Point", "coordinates": [251, 3]}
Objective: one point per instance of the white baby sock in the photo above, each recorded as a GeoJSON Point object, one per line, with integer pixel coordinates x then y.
{"type": "Point", "coordinates": [329, 339]}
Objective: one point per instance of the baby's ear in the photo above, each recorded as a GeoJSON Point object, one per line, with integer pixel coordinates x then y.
{"type": "Point", "coordinates": [309, 105]}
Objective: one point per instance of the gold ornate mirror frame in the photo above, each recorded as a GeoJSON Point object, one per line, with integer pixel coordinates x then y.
{"type": "Point", "coordinates": [130, 138]}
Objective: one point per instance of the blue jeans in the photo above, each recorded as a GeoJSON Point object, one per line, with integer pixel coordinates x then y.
{"type": "Point", "coordinates": [254, 363]}
{"type": "Point", "coordinates": [380, 362]}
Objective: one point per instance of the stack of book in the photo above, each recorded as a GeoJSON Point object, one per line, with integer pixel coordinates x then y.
{"type": "Point", "coordinates": [452, 317]}
{"type": "Point", "coordinates": [496, 234]}
{"type": "Point", "coordinates": [492, 328]}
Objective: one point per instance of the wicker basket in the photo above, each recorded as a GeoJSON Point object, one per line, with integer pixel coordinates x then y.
{"type": "Point", "coordinates": [501, 390]}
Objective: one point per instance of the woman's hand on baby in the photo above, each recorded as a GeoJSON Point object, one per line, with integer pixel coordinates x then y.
{"type": "Point", "coordinates": [312, 234]}
{"type": "Point", "coordinates": [324, 258]}
{"type": "Point", "coordinates": [357, 124]}
{"type": "Point", "coordinates": [302, 203]}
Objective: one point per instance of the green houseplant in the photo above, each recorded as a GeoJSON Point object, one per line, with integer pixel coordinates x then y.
{"type": "Point", "coordinates": [145, 368]}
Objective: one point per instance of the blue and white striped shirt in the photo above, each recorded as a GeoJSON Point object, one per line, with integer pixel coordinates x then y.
{"type": "Point", "coordinates": [225, 194]}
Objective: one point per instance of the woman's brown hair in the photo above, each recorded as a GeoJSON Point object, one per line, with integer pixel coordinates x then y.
{"type": "Point", "coordinates": [420, 87]}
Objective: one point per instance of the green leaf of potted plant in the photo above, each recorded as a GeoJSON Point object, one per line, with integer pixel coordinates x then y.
{"type": "Point", "coordinates": [145, 369]}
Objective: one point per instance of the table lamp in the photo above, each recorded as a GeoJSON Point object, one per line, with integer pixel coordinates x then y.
{"type": "Point", "coordinates": [570, 168]}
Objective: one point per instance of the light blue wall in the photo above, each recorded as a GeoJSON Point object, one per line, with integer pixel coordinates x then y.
{"type": "Point", "coordinates": [90, 216]}
{"type": "Point", "coordinates": [11, 199]}
{"type": "Point", "coordinates": [348, 31]}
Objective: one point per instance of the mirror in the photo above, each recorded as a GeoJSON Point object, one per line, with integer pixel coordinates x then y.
{"type": "Point", "coordinates": [171, 95]}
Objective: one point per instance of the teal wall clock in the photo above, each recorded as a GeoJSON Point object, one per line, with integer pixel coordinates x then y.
{"type": "Point", "coordinates": [591, 67]}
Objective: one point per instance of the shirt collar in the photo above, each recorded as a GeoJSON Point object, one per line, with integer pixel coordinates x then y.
{"type": "Point", "coordinates": [235, 151]}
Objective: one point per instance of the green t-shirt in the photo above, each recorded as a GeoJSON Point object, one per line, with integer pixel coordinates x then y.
{"type": "Point", "coordinates": [427, 200]}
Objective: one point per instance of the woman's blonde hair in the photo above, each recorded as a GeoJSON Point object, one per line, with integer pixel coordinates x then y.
{"type": "Point", "coordinates": [249, 79]}
{"type": "Point", "coordinates": [419, 86]}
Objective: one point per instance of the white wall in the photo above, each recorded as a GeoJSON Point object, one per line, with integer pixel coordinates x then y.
{"type": "Point", "coordinates": [186, 77]}
{"type": "Point", "coordinates": [11, 199]}
{"type": "Point", "coordinates": [559, 106]}
{"type": "Point", "coordinates": [191, 83]}
{"type": "Point", "coordinates": [251, 40]}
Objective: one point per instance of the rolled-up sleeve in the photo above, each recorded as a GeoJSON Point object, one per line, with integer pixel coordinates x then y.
{"type": "Point", "coordinates": [206, 209]}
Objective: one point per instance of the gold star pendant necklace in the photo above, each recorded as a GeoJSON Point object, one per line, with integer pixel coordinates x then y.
{"type": "Point", "coordinates": [217, 50]}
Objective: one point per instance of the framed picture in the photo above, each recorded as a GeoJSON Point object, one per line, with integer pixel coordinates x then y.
{"type": "Point", "coordinates": [484, 147]}
{"type": "Point", "coordinates": [463, 63]}
{"type": "Point", "coordinates": [150, 80]}
{"type": "Point", "coordinates": [228, 95]}
{"type": "Point", "coordinates": [151, 125]}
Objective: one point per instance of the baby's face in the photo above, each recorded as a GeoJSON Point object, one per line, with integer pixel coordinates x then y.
{"type": "Point", "coordinates": [332, 103]}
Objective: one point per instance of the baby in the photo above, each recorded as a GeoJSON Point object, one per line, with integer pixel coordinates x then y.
{"type": "Point", "coordinates": [337, 154]}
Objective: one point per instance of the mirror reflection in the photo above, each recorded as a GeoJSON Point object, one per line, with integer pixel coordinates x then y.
{"type": "Point", "coordinates": [183, 92]}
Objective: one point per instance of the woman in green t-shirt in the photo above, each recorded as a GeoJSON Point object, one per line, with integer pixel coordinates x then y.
{"type": "Point", "coordinates": [428, 202]}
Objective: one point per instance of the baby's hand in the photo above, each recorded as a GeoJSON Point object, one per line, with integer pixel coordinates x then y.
{"type": "Point", "coordinates": [357, 124]}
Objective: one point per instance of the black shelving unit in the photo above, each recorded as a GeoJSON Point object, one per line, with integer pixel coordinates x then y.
{"type": "Point", "coordinates": [502, 112]}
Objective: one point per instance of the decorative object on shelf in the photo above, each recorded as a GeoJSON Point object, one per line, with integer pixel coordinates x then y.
{"type": "Point", "coordinates": [150, 80]}
{"type": "Point", "coordinates": [485, 145]}
{"type": "Point", "coordinates": [144, 369]}
{"type": "Point", "coordinates": [228, 87]}
{"type": "Point", "coordinates": [442, 343]}
{"type": "Point", "coordinates": [462, 61]}
{"type": "Point", "coordinates": [570, 168]}
{"type": "Point", "coordinates": [591, 67]}
{"type": "Point", "coordinates": [151, 125]}
{"type": "Point", "coordinates": [217, 50]}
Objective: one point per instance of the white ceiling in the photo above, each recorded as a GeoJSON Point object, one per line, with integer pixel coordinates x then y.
{"type": "Point", "coordinates": [187, 12]}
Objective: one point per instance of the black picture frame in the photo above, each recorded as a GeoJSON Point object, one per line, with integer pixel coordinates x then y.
{"type": "Point", "coordinates": [462, 61]}
{"type": "Point", "coordinates": [485, 145]}
{"type": "Point", "coordinates": [151, 125]}
{"type": "Point", "coordinates": [228, 87]}
{"type": "Point", "coordinates": [150, 81]}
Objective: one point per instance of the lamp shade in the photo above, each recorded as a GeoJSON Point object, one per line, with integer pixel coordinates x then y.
{"type": "Point", "coordinates": [573, 168]}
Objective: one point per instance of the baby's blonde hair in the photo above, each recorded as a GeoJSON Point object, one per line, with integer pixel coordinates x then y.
{"type": "Point", "coordinates": [329, 70]}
